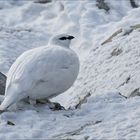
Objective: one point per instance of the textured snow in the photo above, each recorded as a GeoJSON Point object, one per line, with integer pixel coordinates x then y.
{"type": "Point", "coordinates": [103, 74]}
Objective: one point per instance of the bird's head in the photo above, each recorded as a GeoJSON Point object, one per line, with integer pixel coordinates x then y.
{"type": "Point", "coordinates": [63, 40]}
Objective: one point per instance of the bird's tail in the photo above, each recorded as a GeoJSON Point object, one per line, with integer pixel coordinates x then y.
{"type": "Point", "coordinates": [11, 96]}
{"type": "Point", "coordinates": [6, 103]}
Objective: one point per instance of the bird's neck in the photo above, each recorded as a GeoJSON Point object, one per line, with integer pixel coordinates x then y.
{"type": "Point", "coordinates": [60, 44]}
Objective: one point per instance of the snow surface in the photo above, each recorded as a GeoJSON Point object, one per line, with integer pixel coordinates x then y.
{"type": "Point", "coordinates": [103, 74]}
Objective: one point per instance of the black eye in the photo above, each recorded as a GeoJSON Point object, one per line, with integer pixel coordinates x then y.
{"type": "Point", "coordinates": [63, 38]}
{"type": "Point", "coordinates": [70, 37]}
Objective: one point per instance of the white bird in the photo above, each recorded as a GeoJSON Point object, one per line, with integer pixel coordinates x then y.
{"type": "Point", "coordinates": [43, 72]}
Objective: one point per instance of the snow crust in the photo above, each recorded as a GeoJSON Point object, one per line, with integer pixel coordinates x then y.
{"type": "Point", "coordinates": [103, 73]}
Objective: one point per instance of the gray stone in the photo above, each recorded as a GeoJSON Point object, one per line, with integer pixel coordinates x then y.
{"type": "Point", "coordinates": [101, 4]}
{"type": "Point", "coordinates": [2, 83]}
{"type": "Point", "coordinates": [116, 52]}
{"type": "Point", "coordinates": [133, 4]}
{"type": "Point", "coordinates": [135, 92]}
{"type": "Point", "coordinates": [42, 1]}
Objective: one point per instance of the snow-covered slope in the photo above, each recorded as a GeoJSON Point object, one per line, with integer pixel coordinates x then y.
{"type": "Point", "coordinates": [107, 69]}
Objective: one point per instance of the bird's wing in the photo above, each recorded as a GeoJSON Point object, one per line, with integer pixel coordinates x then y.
{"type": "Point", "coordinates": [38, 64]}
{"type": "Point", "coordinates": [25, 69]}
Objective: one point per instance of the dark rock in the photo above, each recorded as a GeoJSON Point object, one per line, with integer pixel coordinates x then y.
{"type": "Point", "coordinates": [10, 123]}
{"type": "Point", "coordinates": [133, 4]}
{"type": "Point", "coordinates": [101, 4]}
{"type": "Point", "coordinates": [52, 105]}
{"type": "Point", "coordinates": [57, 106]}
{"type": "Point", "coordinates": [135, 92]}
{"type": "Point", "coordinates": [2, 83]}
{"type": "Point", "coordinates": [42, 1]}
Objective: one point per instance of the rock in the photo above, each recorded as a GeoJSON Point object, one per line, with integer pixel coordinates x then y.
{"type": "Point", "coordinates": [116, 52]}
{"type": "Point", "coordinates": [123, 95]}
{"type": "Point", "coordinates": [135, 92]}
{"type": "Point", "coordinates": [57, 106]}
{"type": "Point", "coordinates": [133, 4]}
{"type": "Point", "coordinates": [2, 83]}
{"type": "Point", "coordinates": [102, 5]}
{"type": "Point", "coordinates": [10, 123]}
{"type": "Point", "coordinates": [52, 105]}
{"type": "Point", "coordinates": [82, 100]}
{"type": "Point", "coordinates": [42, 1]}
{"type": "Point", "coordinates": [112, 36]}
{"type": "Point", "coordinates": [127, 31]}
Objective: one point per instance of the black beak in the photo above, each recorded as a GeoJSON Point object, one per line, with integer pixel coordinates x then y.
{"type": "Point", "coordinates": [70, 37]}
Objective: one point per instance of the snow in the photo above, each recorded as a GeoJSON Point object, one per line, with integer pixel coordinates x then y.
{"type": "Point", "coordinates": [105, 70]}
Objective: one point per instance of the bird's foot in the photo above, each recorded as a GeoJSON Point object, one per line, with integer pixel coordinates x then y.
{"type": "Point", "coordinates": [51, 105]}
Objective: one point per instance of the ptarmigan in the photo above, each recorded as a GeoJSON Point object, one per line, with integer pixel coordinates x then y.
{"type": "Point", "coordinates": [43, 72]}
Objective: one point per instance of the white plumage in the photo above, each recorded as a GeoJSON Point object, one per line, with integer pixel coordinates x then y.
{"type": "Point", "coordinates": [42, 72]}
